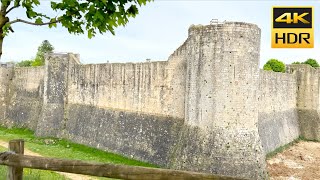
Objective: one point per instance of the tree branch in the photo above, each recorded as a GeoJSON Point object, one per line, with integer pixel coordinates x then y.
{"type": "Point", "coordinates": [10, 28]}
{"type": "Point", "coordinates": [13, 7]}
{"type": "Point", "coordinates": [32, 23]}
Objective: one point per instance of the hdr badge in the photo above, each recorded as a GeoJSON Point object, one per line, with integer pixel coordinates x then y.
{"type": "Point", "coordinates": [292, 27]}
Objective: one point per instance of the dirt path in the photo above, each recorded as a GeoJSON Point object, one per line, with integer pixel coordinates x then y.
{"type": "Point", "coordinates": [301, 161]}
{"type": "Point", "coordinates": [67, 175]}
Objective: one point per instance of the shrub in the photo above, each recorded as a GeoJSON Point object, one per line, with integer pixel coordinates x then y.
{"type": "Point", "coordinates": [275, 65]}
{"type": "Point", "coordinates": [311, 62]}
{"type": "Point", "coordinates": [25, 63]}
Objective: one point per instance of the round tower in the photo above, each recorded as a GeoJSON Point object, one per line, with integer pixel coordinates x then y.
{"type": "Point", "coordinates": [221, 98]}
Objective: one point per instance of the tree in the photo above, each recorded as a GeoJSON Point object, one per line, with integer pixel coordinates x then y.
{"type": "Point", "coordinates": [24, 63]}
{"type": "Point", "coordinates": [311, 62]}
{"type": "Point", "coordinates": [296, 62]}
{"type": "Point", "coordinates": [44, 48]}
{"type": "Point", "coordinates": [275, 65]}
{"type": "Point", "coordinates": [92, 16]}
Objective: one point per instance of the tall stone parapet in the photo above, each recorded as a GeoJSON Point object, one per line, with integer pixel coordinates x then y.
{"type": "Point", "coordinates": [308, 102]}
{"type": "Point", "coordinates": [6, 73]}
{"type": "Point", "coordinates": [221, 102]}
{"type": "Point", "coordinates": [53, 118]}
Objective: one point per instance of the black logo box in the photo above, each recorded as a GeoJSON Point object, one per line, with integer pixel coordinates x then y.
{"type": "Point", "coordinates": [279, 11]}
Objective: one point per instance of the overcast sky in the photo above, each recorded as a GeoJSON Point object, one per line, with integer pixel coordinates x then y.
{"type": "Point", "coordinates": [156, 32]}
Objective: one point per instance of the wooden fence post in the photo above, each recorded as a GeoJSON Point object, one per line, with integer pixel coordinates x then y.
{"type": "Point", "coordinates": [17, 146]}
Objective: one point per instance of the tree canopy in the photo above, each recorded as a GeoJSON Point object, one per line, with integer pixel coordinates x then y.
{"type": "Point", "coordinates": [275, 65]}
{"type": "Point", "coordinates": [44, 48]}
{"type": "Point", "coordinates": [91, 16]}
{"type": "Point", "coordinates": [311, 62]}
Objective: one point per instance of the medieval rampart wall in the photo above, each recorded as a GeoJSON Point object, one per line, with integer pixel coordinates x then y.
{"type": "Point", "coordinates": [207, 108]}
{"type": "Point", "coordinates": [278, 118]}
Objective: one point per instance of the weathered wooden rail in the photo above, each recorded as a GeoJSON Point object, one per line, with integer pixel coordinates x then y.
{"type": "Point", "coordinates": [16, 161]}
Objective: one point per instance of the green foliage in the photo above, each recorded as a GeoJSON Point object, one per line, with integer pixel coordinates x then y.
{"type": "Point", "coordinates": [37, 62]}
{"type": "Point", "coordinates": [267, 67]}
{"type": "Point", "coordinates": [44, 48]}
{"type": "Point", "coordinates": [275, 65]}
{"type": "Point", "coordinates": [311, 62]}
{"type": "Point", "coordinates": [93, 16]}
{"type": "Point", "coordinates": [25, 63]}
{"type": "Point", "coordinates": [296, 62]}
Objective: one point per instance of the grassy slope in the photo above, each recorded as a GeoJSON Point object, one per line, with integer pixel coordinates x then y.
{"type": "Point", "coordinates": [60, 148]}
{"type": "Point", "coordinates": [31, 174]}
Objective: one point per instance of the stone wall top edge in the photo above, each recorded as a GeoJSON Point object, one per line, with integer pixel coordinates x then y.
{"type": "Point", "coordinates": [223, 25]}
{"type": "Point", "coordinates": [281, 75]}
{"type": "Point", "coordinates": [1, 67]}
{"type": "Point", "coordinates": [55, 55]}
{"type": "Point", "coordinates": [304, 67]}
{"type": "Point", "coordinates": [125, 63]}
{"type": "Point", "coordinates": [31, 67]}
{"type": "Point", "coordinates": [299, 65]}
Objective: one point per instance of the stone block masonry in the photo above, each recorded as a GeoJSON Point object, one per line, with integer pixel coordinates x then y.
{"type": "Point", "coordinates": [278, 116]}
{"type": "Point", "coordinates": [208, 108]}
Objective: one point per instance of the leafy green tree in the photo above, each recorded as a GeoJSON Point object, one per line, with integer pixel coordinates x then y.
{"type": "Point", "coordinates": [92, 16]}
{"type": "Point", "coordinates": [311, 62]}
{"type": "Point", "coordinates": [37, 62]}
{"type": "Point", "coordinates": [25, 63]}
{"type": "Point", "coordinates": [275, 65]}
{"type": "Point", "coordinates": [44, 48]}
{"type": "Point", "coordinates": [296, 62]}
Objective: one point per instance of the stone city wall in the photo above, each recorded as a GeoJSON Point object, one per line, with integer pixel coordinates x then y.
{"type": "Point", "coordinates": [23, 97]}
{"type": "Point", "coordinates": [208, 108]}
{"type": "Point", "coordinates": [278, 118]}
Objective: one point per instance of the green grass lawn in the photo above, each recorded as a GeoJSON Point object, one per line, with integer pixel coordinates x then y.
{"type": "Point", "coordinates": [31, 174]}
{"type": "Point", "coordinates": [60, 148]}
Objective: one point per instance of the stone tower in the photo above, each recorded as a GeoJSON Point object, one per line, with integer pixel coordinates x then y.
{"type": "Point", "coordinates": [221, 101]}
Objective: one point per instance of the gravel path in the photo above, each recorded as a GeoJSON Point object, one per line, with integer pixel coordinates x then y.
{"type": "Point", "coordinates": [300, 161]}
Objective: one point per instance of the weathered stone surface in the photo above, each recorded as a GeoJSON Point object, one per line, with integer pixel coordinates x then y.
{"type": "Point", "coordinates": [23, 97]}
{"type": "Point", "coordinates": [55, 79]}
{"type": "Point", "coordinates": [278, 118]}
{"type": "Point", "coordinates": [233, 152]}
{"type": "Point", "coordinates": [278, 128]}
{"type": "Point", "coordinates": [208, 108]}
{"type": "Point", "coordinates": [140, 136]}
{"type": "Point", "coordinates": [221, 100]}
{"type": "Point", "coordinates": [308, 102]}
{"type": "Point", "coordinates": [310, 123]}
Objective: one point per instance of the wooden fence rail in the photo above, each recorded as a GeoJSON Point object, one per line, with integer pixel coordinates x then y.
{"type": "Point", "coordinates": [17, 161]}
